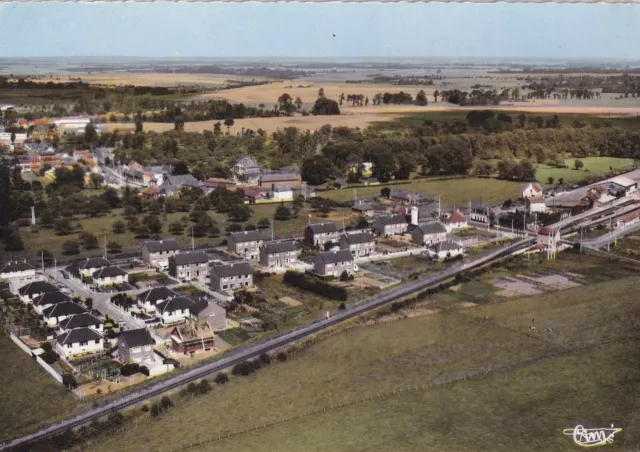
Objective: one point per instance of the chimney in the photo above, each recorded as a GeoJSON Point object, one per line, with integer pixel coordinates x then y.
{"type": "Point", "coordinates": [414, 215]}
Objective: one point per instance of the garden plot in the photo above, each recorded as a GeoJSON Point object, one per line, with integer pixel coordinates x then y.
{"type": "Point", "coordinates": [556, 281]}
{"type": "Point", "coordinates": [515, 287]}
{"type": "Point", "coordinates": [524, 285]}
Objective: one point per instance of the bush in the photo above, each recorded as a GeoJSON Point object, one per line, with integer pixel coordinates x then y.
{"type": "Point", "coordinates": [145, 409]}
{"type": "Point", "coordinates": [166, 402]}
{"type": "Point", "coordinates": [204, 386]}
{"type": "Point", "coordinates": [221, 378]}
{"type": "Point", "coordinates": [69, 381]}
{"type": "Point", "coordinates": [129, 369]}
{"type": "Point", "coordinates": [242, 369]}
{"type": "Point", "coordinates": [342, 306]}
{"type": "Point", "coordinates": [155, 410]}
{"type": "Point", "coordinates": [311, 284]}
{"type": "Point", "coordinates": [49, 356]}
{"type": "Point", "coordinates": [144, 370]}
{"type": "Point", "coordinates": [282, 356]}
{"type": "Point", "coordinates": [265, 359]}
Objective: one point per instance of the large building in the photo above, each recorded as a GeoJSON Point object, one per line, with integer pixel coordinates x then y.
{"type": "Point", "coordinates": [334, 263]}
{"type": "Point", "coordinates": [429, 234]}
{"type": "Point", "coordinates": [156, 254]}
{"type": "Point", "coordinates": [231, 276]}
{"type": "Point", "coordinates": [192, 266]}
{"type": "Point", "coordinates": [271, 181]}
{"type": "Point", "coordinates": [359, 244]}
{"type": "Point", "coordinates": [388, 225]}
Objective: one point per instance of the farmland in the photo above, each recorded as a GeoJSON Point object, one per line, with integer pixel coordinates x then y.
{"type": "Point", "coordinates": [586, 340]}
{"type": "Point", "coordinates": [29, 396]}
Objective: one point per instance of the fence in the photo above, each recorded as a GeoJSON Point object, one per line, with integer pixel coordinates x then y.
{"type": "Point", "coordinates": [49, 369]}
{"type": "Point", "coordinates": [21, 344]}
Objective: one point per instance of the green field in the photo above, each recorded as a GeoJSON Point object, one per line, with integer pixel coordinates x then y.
{"type": "Point", "coordinates": [457, 191]}
{"type": "Point", "coordinates": [29, 395]}
{"type": "Point", "coordinates": [587, 373]}
{"type": "Point", "coordinates": [593, 167]}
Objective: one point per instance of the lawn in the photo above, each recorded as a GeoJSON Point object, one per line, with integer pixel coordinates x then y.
{"type": "Point", "coordinates": [525, 408]}
{"type": "Point", "coordinates": [593, 166]}
{"type": "Point", "coordinates": [458, 191]}
{"type": "Point", "coordinates": [29, 396]}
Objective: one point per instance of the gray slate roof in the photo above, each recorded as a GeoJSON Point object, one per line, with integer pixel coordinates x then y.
{"type": "Point", "coordinates": [15, 267]}
{"type": "Point", "coordinates": [246, 236]}
{"type": "Point", "coordinates": [66, 308]}
{"type": "Point", "coordinates": [94, 262]}
{"type": "Point", "coordinates": [322, 228]}
{"type": "Point", "coordinates": [234, 269]}
{"type": "Point", "coordinates": [108, 272]}
{"type": "Point", "coordinates": [446, 246]}
{"type": "Point", "coordinates": [37, 287]}
{"type": "Point", "coordinates": [155, 294]}
{"type": "Point", "coordinates": [387, 220]}
{"type": "Point", "coordinates": [360, 237]}
{"type": "Point", "coordinates": [331, 257]}
{"type": "Point", "coordinates": [136, 338]}
{"type": "Point", "coordinates": [282, 247]}
{"type": "Point", "coordinates": [432, 228]}
{"type": "Point", "coordinates": [51, 298]}
{"type": "Point", "coordinates": [173, 304]}
{"type": "Point", "coordinates": [197, 257]}
{"type": "Point", "coordinates": [80, 321]}
{"type": "Point", "coordinates": [78, 335]}
{"type": "Point", "coordinates": [162, 245]}
{"type": "Point", "coordinates": [279, 177]}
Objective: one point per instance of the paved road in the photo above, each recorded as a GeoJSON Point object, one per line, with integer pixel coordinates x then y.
{"type": "Point", "coordinates": [269, 345]}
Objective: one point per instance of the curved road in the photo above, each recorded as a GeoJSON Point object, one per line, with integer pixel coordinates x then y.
{"type": "Point", "coordinates": [267, 345]}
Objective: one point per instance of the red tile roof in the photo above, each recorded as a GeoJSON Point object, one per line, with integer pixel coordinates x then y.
{"type": "Point", "coordinates": [456, 217]}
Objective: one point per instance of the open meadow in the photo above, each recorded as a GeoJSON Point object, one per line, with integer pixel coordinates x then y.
{"type": "Point", "coordinates": [29, 396]}
{"type": "Point", "coordinates": [593, 167]}
{"type": "Point", "coordinates": [523, 385]}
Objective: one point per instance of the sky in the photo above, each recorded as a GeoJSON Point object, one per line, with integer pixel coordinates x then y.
{"type": "Point", "coordinates": [179, 29]}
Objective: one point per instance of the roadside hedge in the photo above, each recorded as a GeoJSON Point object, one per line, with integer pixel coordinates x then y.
{"type": "Point", "coordinates": [307, 282]}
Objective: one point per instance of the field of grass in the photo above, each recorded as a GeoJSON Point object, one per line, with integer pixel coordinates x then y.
{"type": "Point", "coordinates": [593, 166]}
{"type": "Point", "coordinates": [29, 396]}
{"type": "Point", "coordinates": [452, 191]}
{"type": "Point", "coordinates": [524, 408]}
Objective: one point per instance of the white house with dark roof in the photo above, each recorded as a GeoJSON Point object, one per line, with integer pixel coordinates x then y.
{"type": "Point", "coordinates": [359, 244]}
{"type": "Point", "coordinates": [92, 264]}
{"type": "Point", "coordinates": [246, 243]}
{"type": "Point", "coordinates": [174, 310]}
{"type": "Point", "coordinates": [628, 185]}
{"type": "Point", "coordinates": [192, 266]}
{"type": "Point", "coordinates": [48, 299]}
{"type": "Point", "coordinates": [446, 249]}
{"type": "Point", "coordinates": [148, 299]}
{"type": "Point", "coordinates": [17, 269]}
{"type": "Point", "coordinates": [34, 289]}
{"type": "Point", "coordinates": [156, 253]}
{"type": "Point", "coordinates": [536, 204]}
{"type": "Point", "coordinates": [173, 184]}
{"type": "Point", "coordinates": [79, 341]}
{"type": "Point", "coordinates": [136, 346]}
{"type": "Point", "coordinates": [319, 234]}
{"type": "Point", "coordinates": [60, 311]}
{"type": "Point", "coordinates": [429, 234]}
{"type": "Point", "coordinates": [284, 193]}
{"type": "Point", "coordinates": [230, 276]}
{"type": "Point", "coordinates": [334, 263]}
{"type": "Point", "coordinates": [83, 320]}
{"type": "Point", "coordinates": [388, 225]}
{"type": "Point", "coordinates": [110, 275]}
{"type": "Point", "coordinates": [279, 255]}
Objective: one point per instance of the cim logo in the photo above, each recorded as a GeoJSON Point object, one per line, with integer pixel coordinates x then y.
{"type": "Point", "coordinates": [591, 437]}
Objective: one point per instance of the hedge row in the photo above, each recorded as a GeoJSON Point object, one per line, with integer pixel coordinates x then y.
{"type": "Point", "coordinates": [307, 282]}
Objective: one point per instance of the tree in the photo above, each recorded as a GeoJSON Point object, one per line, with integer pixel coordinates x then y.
{"type": "Point", "coordinates": [63, 226]}
{"type": "Point", "coordinates": [229, 123]}
{"type": "Point", "coordinates": [324, 106]}
{"type": "Point", "coordinates": [221, 378]}
{"type": "Point", "coordinates": [239, 213]}
{"type": "Point", "coordinates": [550, 180]}
{"type": "Point", "coordinates": [282, 213]}
{"type": "Point", "coordinates": [153, 224]}
{"type": "Point", "coordinates": [155, 410]}
{"type": "Point", "coordinates": [138, 122]}
{"type": "Point", "coordinates": [484, 168]}
{"type": "Point", "coordinates": [316, 170]}
{"type": "Point", "coordinates": [118, 227]}
{"type": "Point", "coordinates": [298, 204]}
{"type": "Point", "coordinates": [114, 248]}
{"type": "Point", "coordinates": [166, 402]}
{"type": "Point", "coordinates": [96, 180]}
{"type": "Point", "coordinates": [90, 134]}
{"type": "Point", "coordinates": [436, 93]}
{"type": "Point", "coordinates": [298, 102]}
{"type": "Point", "coordinates": [321, 92]}
{"type": "Point", "coordinates": [264, 223]}
{"type": "Point", "coordinates": [88, 240]}
{"type": "Point", "coordinates": [578, 164]}
{"type": "Point", "coordinates": [13, 138]}
{"type": "Point", "coordinates": [70, 247]}
{"type": "Point", "coordinates": [88, 302]}
{"type": "Point", "coordinates": [421, 98]}
{"type": "Point", "coordinates": [561, 180]}
{"type": "Point", "coordinates": [176, 228]}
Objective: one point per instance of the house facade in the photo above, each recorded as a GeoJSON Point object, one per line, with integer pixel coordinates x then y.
{"type": "Point", "coordinates": [245, 243]}
{"type": "Point", "coordinates": [91, 265]}
{"type": "Point", "coordinates": [156, 254]}
{"type": "Point", "coordinates": [17, 269]}
{"type": "Point", "coordinates": [247, 167]}
{"type": "Point", "coordinates": [446, 250]}
{"type": "Point", "coordinates": [284, 193]}
{"type": "Point", "coordinates": [320, 234]}
{"type": "Point", "coordinates": [60, 311]}
{"type": "Point", "coordinates": [79, 341]}
{"type": "Point", "coordinates": [279, 255]}
{"type": "Point", "coordinates": [536, 204]}
{"type": "Point", "coordinates": [34, 289]}
{"type": "Point", "coordinates": [84, 320]}
{"type": "Point", "coordinates": [49, 299]}
{"type": "Point", "coordinates": [360, 244]}
{"type": "Point", "coordinates": [530, 190]}
{"type": "Point", "coordinates": [388, 225]}
{"type": "Point", "coordinates": [174, 310]}
{"type": "Point", "coordinates": [334, 263]}
{"type": "Point", "coordinates": [271, 181]}
{"type": "Point", "coordinates": [148, 299]}
{"type": "Point", "coordinates": [231, 276]}
{"type": "Point", "coordinates": [454, 220]}
{"type": "Point", "coordinates": [192, 266]}
{"type": "Point", "coordinates": [110, 275]}
{"type": "Point", "coordinates": [136, 346]}
{"type": "Point", "coordinates": [210, 312]}
{"type": "Point", "coordinates": [429, 234]}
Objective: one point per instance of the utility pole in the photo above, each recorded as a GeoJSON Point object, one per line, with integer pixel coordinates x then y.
{"type": "Point", "coordinates": [512, 226]}
{"type": "Point", "coordinates": [439, 207]}
{"type": "Point", "coordinates": [55, 268]}
{"type": "Point", "coordinates": [42, 257]}
{"type": "Point", "coordinates": [105, 247]}
{"type": "Point", "coordinates": [192, 244]}
{"type": "Point", "coordinates": [271, 221]}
